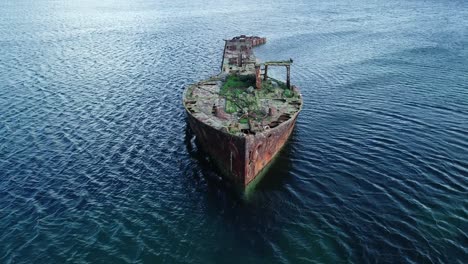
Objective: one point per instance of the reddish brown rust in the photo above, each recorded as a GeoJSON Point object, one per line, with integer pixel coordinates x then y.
{"type": "Point", "coordinates": [258, 78]}
{"type": "Point", "coordinates": [219, 112]}
{"type": "Point", "coordinates": [241, 158]}
{"type": "Point", "coordinates": [228, 151]}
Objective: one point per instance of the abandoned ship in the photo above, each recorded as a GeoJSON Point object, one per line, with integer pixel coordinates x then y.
{"type": "Point", "coordinates": [242, 117]}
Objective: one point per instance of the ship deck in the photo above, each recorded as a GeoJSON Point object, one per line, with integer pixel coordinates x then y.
{"type": "Point", "coordinates": [231, 104]}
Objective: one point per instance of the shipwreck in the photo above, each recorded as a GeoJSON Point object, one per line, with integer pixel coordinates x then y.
{"type": "Point", "coordinates": [242, 117]}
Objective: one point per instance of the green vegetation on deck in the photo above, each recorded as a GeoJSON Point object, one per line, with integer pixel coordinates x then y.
{"type": "Point", "coordinates": [242, 98]}
{"type": "Point", "coordinates": [239, 97]}
{"type": "Point", "coordinates": [235, 82]}
{"type": "Point", "coordinates": [235, 90]}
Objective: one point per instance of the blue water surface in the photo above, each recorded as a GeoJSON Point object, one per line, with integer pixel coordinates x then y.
{"type": "Point", "coordinates": [97, 164]}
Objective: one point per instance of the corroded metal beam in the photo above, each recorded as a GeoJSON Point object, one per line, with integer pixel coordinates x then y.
{"type": "Point", "coordinates": [224, 52]}
{"type": "Point", "coordinates": [278, 63]}
{"type": "Point", "coordinates": [258, 78]}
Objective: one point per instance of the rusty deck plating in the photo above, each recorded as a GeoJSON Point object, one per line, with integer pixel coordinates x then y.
{"type": "Point", "coordinates": [242, 117]}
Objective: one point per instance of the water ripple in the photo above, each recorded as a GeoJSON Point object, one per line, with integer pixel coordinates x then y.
{"type": "Point", "coordinates": [97, 163]}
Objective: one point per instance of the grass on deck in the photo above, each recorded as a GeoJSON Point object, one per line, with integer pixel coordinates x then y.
{"type": "Point", "coordinates": [235, 92]}
{"type": "Point", "coordinates": [238, 98]}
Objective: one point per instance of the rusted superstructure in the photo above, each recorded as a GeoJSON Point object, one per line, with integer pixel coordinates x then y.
{"type": "Point", "coordinates": [242, 117]}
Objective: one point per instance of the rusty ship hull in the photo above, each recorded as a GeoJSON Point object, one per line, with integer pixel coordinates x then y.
{"type": "Point", "coordinates": [241, 159]}
{"type": "Point", "coordinates": [240, 127]}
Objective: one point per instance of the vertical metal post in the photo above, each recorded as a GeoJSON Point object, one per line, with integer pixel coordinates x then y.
{"type": "Point", "coordinates": [288, 78]}
{"type": "Point", "coordinates": [258, 78]}
{"type": "Point", "coordinates": [224, 52]}
{"type": "Point", "coordinates": [265, 75]}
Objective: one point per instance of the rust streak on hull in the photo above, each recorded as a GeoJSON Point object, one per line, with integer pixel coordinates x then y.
{"type": "Point", "coordinates": [227, 150]}
{"type": "Point", "coordinates": [261, 149]}
{"type": "Point", "coordinates": [241, 159]}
